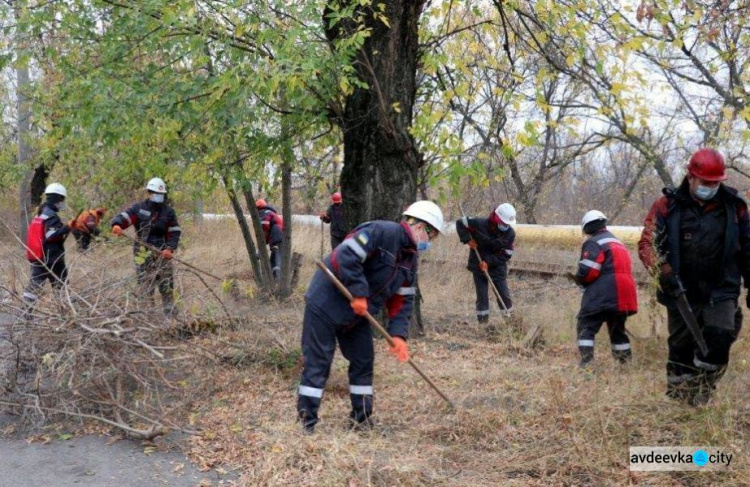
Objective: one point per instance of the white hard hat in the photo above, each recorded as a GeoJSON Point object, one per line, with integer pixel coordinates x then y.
{"type": "Point", "coordinates": [507, 214]}
{"type": "Point", "coordinates": [56, 188]}
{"type": "Point", "coordinates": [156, 185]}
{"type": "Point", "coordinates": [428, 212]}
{"type": "Point", "coordinates": [592, 215]}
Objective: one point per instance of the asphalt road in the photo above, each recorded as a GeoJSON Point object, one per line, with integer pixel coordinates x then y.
{"type": "Point", "coordinates": [90, 461]}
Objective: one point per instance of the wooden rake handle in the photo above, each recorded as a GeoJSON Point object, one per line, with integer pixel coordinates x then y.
{"type": "Point", "coordinates": [381, 329]}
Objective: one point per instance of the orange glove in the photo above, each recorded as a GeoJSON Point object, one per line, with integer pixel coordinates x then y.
{"type": "Point", "coordinates": [400, 349]}
{"type": "Point", "coordinates": [117, 230]}
{"type": "Point", "coordinates": [72, 224]}
{"type": "Point", "coordinates": [359, 305]}
{"type": "Point", "coordinates": [483, 266]}
{"type": "Point", "coordinates": [472, 244]}
{"type": "Point", "coordinates": [166, 254]}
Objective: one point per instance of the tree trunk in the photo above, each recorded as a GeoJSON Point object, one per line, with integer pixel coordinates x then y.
{"type": "Point", "coordinates": [285, 289]}
{"type": "Point", "coordinates": [266, 283]}
{"type": "Point", "coordinates": [252, 251]}
{"type": "Point", "coordinates": [381, 160]}
{"type": "Point", "coordinates": [24, 116]}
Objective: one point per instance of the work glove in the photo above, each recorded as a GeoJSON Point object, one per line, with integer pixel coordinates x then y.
{"type": "Point", "coordinates": [274, 248]}
{"type": "Point", "coordinates": [359, 305]}
{"type": "Point", "coordinates": [483, 266]}
{"type": "Point", "coordinates": [166, 254]}
{"type": "Point", "coordinates": [322, 216]}
{"type": "Point", "coordinates": [117, 230]}
{"type": "Point", "coordinates": [669, 284]}
{"type": "Point", "coordinates": [472, 244]}
{"type": "Point", "coordinates": [400, 349]}
{"type": "Point", "coordinates": [72, 224]}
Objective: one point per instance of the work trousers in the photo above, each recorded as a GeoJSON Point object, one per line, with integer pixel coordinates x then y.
{"type": "Point", "coordinates": [319, 337]}
{"type": "Point", "coordinates": [688, 370]}
{"type": "Point", "coordinates": [156, 272]}
{"type": "Point", "coordinates": [589, 326]}
{"type": "Point", "coordinates": [55, 271]}
{"type": "Point", "coordinates": [499, 276]}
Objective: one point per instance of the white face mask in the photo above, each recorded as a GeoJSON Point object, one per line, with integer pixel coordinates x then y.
{"type": "Point", "coordinates": [156, 198]}
{"type": "Point", "coordinates": [61, 206]}
{"type": "Point", "coordinates": [705, 193]}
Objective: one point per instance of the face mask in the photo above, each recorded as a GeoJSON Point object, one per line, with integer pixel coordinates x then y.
{"type": "Point", "coordinates": [60, 206]}
{"type": "Point", "coordinates": [705, 193]}
{"type": "Point", "coordinates": [503, 228]}
{"type": "Point", "coordinates": [423, 246]}
{"type": "Point", "coordinates": [157, 198]}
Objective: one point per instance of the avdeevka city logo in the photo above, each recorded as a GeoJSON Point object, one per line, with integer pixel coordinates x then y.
{"type": "Point", "coordinates": [700, 457]}
{"type": "Point", "coordinates": [676, 458]}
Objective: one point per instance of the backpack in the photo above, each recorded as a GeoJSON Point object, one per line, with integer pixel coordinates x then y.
{"type": "Point", "coordinates": [35, 239]}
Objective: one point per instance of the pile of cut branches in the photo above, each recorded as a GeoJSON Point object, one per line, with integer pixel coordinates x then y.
{"type": "Point", "coordinates": [100, 353]}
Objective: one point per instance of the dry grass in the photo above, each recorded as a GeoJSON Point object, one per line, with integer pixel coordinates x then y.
{"type": "Point", "coordinates": [523, 418]}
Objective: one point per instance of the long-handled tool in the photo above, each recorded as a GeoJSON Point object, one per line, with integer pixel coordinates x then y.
{"type": "Point", "coordinates": [683, 306]}
{"type": "Point", "coordinates": [322, 238]}
{"type": "Point", "coordinates": [379, 327]}
{"type": "Point", "coordinates": [486, 273]}
{"type": "Point", "coordinates": [155, 249]}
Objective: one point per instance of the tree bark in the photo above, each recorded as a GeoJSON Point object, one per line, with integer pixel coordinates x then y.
{"type": "Point", "coordinates": [263, 254]}
{"type": "Point", "coordinates": [381, 160]}
{"type": "Point", "coordinates": [24, 117]}
{"type": "Point", "coordinates": [252, 251]}
{"type": "Point", "coordinates": [285, 289]}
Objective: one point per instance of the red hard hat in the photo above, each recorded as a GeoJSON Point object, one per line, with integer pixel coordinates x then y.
{"type": "Point", "coordinates": [708, 165]}
{"type": "Point", "coordinates": [260, 203]}
{"type": "Point", "coordinates": [336, 197]}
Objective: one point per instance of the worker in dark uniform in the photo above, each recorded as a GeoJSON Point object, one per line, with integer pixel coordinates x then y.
{"type": "Point", "coordinates": [377, 263]}
{"type": "Point", "coordinates": [273, 230]}
{"type": "Point", "coordinates": [696, 239]}
{"type": "Point", "coordinates": [606, 273]}
{"type": "Point", "coordinates": [45, 246]}
{"type": "Point", "coordinates": [494, 238]}
{"type": "Point", "coordinates": [335, 216]}
{"type": "Point", "coordinates": [155, 223]}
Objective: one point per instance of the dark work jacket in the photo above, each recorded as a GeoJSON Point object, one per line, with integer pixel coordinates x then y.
{"type": "Point", "coordinates": [335, 216]}
{"type": "Point", "coordinates": [55, 233]}
{"type": "Point", "coordinates": [495, 246]}
{"type": "Point", "coordinates": [378, 260]}
{"type": "Point", "coordinates": [270, 221]}
{"type": "Point", "coordinates": [708, 246]}
{"type": "Point", "coordinates": [606, 273]}
{"type": "Point", "coordinates": [155, 224]}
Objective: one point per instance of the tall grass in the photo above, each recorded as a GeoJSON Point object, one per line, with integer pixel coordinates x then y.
{"type": "Point", "coordinates": [522, 417]}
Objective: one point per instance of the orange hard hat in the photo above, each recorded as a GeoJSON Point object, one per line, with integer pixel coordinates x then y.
{"type": "Point", "coordinates": [260, 203]}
